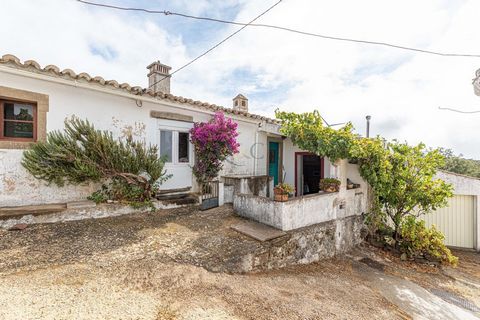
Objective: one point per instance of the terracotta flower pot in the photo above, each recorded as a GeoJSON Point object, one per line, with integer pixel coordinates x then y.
{"type": "Point", "coordinates": [331, 188]}
{"type": "Point", "coordinates": [281, 197]}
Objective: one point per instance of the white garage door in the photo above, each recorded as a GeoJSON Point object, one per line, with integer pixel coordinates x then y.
{"type": "Point", "coordinates": [456, 221]}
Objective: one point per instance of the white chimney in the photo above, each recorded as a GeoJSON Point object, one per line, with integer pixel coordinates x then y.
{"type": "Point", "coordinates": [240, 103]}
{"type": "Point", "coordinates": [159, 77]}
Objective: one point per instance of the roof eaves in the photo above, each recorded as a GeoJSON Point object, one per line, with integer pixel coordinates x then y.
{"type": "Point", "coordinates": [52, 70]}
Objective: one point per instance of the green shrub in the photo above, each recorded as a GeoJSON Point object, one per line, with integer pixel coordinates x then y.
{"type": "Point", "coordinates": [419, 241]}
{"type": "Point", "coordinates": [129, 170]}
{"type": "Point", "coordinates": [327, 184]}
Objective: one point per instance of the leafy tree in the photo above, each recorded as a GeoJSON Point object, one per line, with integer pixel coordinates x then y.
{"type": "Point", "coordinates": [214, 141]}
{"type": "Point", "coordinates": [129, 169]}
{"type": "Point", "coordinates": [458, 164]}
{"type": "Point", "coordinates": [402, 177]}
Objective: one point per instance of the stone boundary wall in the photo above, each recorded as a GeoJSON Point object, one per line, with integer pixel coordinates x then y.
{"type": "Point", "coordinates": [96, 212]}
{"type": "Point", "coordinates": [302, 211]}
{"type": "Point", "coordinates": [305, 245]}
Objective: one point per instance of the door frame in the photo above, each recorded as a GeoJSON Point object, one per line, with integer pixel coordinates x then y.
{"type": "Point", "coordinates": [304, 153]}
{"type": "Point", "coordinates": [280, 156]}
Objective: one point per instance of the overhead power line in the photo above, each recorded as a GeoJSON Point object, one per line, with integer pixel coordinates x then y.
{"type": "Point", "coordinates": [459, 111]}
{"type": "Point", "coordinates": [217, 45]}
{"type": "Point", "coordinates": [311, 34]}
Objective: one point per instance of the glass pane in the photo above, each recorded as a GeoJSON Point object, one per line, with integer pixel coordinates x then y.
{"type": "Point", "coordinates": [166, 145]}
{"type": "Point", "coordinates": [18, 111]}
{"type": "Point", "coordinates": [18, 129]}
{"type": "Point", "coordinates": [183, 146]}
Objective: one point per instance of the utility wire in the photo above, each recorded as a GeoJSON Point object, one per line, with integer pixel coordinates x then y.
{"type": "Point", "coordinates": [459, 111]}
{"type": "Point", "coordinates": [199, 56]}
{"type": "Point", "coordinates": [318, 35]}
{"type": "Point", "coordinates": [217, 45]}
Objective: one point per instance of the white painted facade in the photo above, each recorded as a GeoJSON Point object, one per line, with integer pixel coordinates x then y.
{"type": "Point", "coordinates": [300, 212]}
{"type": "Point", "coordinates": [121, 113]}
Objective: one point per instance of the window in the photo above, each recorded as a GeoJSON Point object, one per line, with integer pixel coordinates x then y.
{"type": "Point", "coordinates": [183, 147]}
{"type": "Point", "coordinates": [18, 121]}
{"type": "Point", "coordinates": [243, 103]}
{"type": "Point", "coordinates": [166, 144]}
{"type": "Point", "coordinates": [175, 146]}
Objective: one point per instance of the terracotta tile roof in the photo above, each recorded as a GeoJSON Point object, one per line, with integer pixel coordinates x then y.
{"type": "Point", "coordinates": [68, 74]}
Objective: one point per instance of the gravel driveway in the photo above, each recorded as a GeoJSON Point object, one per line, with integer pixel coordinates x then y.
{"type": "Point", "coordinates": [153, 266]}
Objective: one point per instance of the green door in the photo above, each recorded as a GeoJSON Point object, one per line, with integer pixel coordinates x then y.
{"type": "Point", "coordinates": [273, 151]}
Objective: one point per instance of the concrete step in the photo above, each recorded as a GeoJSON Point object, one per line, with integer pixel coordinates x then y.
{"type": "Point", "coordinates": [17, 211]}
{"type": "Point", "coordinates": [258, 231]}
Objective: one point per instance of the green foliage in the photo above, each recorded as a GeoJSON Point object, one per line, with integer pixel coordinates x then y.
{"type": "Point", "coordinates": [458, 164]}
{"type": "Point", "coordinates": [402, 177]}
{"type": "Point", "coordinates": [419, 241]}
{"type": "Point", "coordinates": [306, 130]}
{"type": "Point", "coordinates": [329, 183]}
{"type": "Point", "coordinates": [129, 169]}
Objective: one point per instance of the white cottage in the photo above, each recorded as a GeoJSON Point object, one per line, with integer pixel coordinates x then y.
{"type": "Point", "coordinates": [36, 100]}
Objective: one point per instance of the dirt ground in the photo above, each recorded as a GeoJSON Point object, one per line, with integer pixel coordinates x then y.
{"type": "Point", "coordinates": [154, 266]}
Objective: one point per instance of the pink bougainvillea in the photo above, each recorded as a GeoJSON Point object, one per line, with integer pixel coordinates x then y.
{"type": "Point", "coordinates": [214, 141]}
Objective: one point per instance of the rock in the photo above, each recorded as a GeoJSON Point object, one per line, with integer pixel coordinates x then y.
{"type": "Point", "coordinates": [18, 227]}
{"type": "Point", "coordinates": [403, 257]}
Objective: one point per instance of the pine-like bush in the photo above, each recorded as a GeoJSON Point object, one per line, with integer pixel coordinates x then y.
{"type": "Point", "coordinates": [129, 170]}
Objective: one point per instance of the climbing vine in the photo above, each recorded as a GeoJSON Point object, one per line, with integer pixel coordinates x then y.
{"type": "Point", "coordinates": [401, 176]}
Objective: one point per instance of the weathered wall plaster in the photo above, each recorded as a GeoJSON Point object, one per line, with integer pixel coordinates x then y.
{"type": "Point", "coordinates": [307, 210]}
{"type": "Point", "coordinates": [99, 211]}
{"type": "Point", "coordinates": [306, 245]}
{"type": "Point", "coordinates": [18, 187]}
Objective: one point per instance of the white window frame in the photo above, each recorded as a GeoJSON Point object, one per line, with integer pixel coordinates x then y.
{"type": "Point", "coordinates": [176, 127]}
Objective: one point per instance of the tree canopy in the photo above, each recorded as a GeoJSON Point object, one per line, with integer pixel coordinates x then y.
{"type": "Point", "coordinates": [401, 176]}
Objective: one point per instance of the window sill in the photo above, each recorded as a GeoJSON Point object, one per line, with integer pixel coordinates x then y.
{"type": "Point", "coordinates": [11, 144]}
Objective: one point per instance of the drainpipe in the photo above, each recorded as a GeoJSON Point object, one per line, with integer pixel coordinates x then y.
{"type": "Point", "coordinates": [368, 125]}
{"type": "Point", "coordinates": [255, 160]}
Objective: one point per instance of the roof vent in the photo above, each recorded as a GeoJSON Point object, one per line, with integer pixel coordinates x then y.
{"type": "Point", "coordinates": [159, 77]}
{"type": "Point", "coordinates": [240, 103]}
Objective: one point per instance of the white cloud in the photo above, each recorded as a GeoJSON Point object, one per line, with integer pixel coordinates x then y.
{"type": "Point", "coordinates": [401, 90]}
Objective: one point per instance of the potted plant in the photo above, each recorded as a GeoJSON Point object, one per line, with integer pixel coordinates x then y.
{"type": "Point", "coordinates": [282, 191]}
{"type": "Point", "coordinates": [330, 185]}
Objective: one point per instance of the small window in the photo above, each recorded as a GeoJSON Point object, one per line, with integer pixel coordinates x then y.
{"type": "Point", "coordinates": [183, 147]}
{"type": "Point", "coordinates": [17, 121]}
{"type": "Point", "coordinates": [236, 103]}
{"type": "Point", "coordinates": [166, 145]}
{"type": "Point", "coordinates": [243, 103]}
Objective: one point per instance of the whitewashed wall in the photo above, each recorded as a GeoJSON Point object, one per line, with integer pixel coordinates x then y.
{"type": "Point", "coordinates": [109, 112]}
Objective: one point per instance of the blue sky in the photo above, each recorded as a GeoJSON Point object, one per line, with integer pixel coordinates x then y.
{"type": "Point", "coordinates": [400, 90]}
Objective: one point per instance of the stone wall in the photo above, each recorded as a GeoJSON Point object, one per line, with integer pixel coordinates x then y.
{"type": "Point", "coordinates": [302, 211]}
{"type": "Point", "coordinates": [73, 214]}
{"type": "Point", "coordinates": [306, 245]}
{"type": "Point", "coordinates": [247, 184]}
